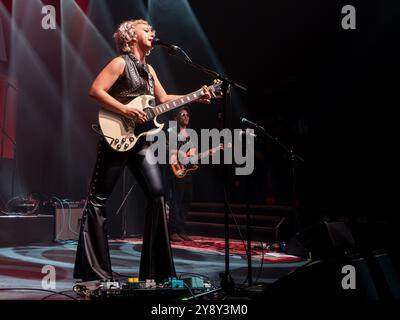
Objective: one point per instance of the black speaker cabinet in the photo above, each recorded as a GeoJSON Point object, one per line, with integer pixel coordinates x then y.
{"type": "Point", "coordinates": [321, 240]}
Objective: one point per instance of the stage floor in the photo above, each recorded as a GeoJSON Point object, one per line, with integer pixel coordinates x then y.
{"type": "Point", "coordinates": [21, 267]}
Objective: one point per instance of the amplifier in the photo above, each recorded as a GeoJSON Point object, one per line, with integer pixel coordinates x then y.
{"type": "Point", "coordinates": [67, 222]}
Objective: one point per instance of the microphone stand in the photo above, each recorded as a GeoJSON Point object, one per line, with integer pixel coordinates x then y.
{"type": "Point", "coordinates": [227, 283]}
{"type": "Point", "coordinates": [294, 159]}
{"type": "Point", "coordinates": [248, 233]}
{"type": "Point", "coordinates": [123, 206]}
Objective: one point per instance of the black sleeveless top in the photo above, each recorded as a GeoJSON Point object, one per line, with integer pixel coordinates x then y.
{"type": "Point", "coordinates": [135, 81]}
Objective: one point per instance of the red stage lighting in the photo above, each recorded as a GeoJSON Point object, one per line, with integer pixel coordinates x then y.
{"type": "Point", "coordinates": [83, 4]}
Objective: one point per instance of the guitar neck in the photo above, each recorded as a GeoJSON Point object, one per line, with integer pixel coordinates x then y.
{"type": "Point", "coordinates": [206, 153]}
{"type": "Point", "coordinates": [171, 105]}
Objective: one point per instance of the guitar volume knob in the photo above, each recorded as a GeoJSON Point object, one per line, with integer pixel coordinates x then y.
{"type": "Point", "coordinates": [126, 145]}
{"type": "Point", "coordinates": [119, 146]}
{"type": "Point", "coordinates": [123, 140]}
{"type": "Point", "coordinates": [116, 140]}
{"type": "Point", "coordinates": [131, 139]}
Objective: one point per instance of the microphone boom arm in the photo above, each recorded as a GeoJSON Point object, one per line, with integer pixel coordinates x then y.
{"type": "Point", "coordinates": [172, 49]}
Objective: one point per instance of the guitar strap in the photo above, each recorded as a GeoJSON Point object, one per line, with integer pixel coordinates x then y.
{"type": "Point", "coordinates": [150, 79]}
{"type": "Point", "coordinates": [138, 72]}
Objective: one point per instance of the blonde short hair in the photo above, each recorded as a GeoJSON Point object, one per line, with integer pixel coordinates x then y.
{"type": "Point", "coordinates": [126, 33]}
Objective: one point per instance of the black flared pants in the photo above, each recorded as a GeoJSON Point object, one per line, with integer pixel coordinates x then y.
{"type": "Point", "coordinates": [92, 257]}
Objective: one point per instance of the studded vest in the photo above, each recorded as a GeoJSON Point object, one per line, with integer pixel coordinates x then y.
{"type": "Point", "coordinates": [135, 81]}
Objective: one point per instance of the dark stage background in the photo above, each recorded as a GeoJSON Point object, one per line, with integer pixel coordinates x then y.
{"type": "Point", "coordinates": [327, 92]}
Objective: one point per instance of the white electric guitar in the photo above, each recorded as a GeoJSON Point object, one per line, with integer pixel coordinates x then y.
{"type": "Point", "coordinates": [122, 133]}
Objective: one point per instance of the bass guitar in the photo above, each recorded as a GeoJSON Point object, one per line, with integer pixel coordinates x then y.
{"type": "Point", "coordinates": [180, 170]}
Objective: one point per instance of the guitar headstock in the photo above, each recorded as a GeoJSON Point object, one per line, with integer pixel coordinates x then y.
{"type": "Point", "coordinates": [216, 89]}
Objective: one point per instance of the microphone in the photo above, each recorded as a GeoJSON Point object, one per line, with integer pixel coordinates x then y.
{"type": "Point", "coordinates": [245, 121]}
{"type": "Point", "coordinates": [158, 42]}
